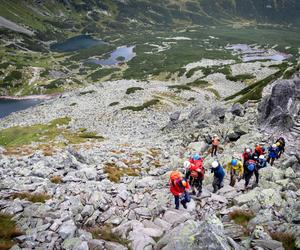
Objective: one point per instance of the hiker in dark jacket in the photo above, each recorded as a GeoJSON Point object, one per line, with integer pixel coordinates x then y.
{"type": "Point", "coordinates": [219, 175]}
{"type": "Point", "coordinates": [261, 162]}
{"type": "Point", "coordinates": [281, 145]}
{"type": "Point", "coordinates": [250, 166]}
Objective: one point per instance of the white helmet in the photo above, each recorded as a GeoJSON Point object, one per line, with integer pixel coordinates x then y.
{"type": "Point", "coordinates": [215, 164]}
{"type": "Point", "coordinates": [186, 164]}
{"type": "Point", "coordinates": [261, 157]}
{"type": "Point", "coordinates": [215, 135]}
{"type": "Point", "coordinates": [248, 150]}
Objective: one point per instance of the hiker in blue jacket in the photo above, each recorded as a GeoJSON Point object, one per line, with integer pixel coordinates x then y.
{"type": "Point", "coordinates": [261, 162]}
{"type": "Point", "coordinates": [219, 175]}
{"type": "Point", "coordinates": [273, 154]}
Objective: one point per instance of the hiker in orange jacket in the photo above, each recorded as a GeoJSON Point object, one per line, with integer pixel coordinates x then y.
{"type": "Point", "coordinates": [179, 188]}
{"type": "Point", "coordinates": [215, 141]}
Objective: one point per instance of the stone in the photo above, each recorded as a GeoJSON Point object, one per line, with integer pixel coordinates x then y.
{"type": "Point", "coordinates": [175, 116]}
{"type": "Point", "coordinates": [218, 112]}
{"type": "Point", "coordinates": [82, 246]}
{"type": "Point", "coordinates": [289, 173]}
{"type": "Point", "coordinates": [71, 243]}
{"type": "Point", "coordinates": [278, 108]}
{"type": "Point", "coordinates": [207, 234]}
{"type": "Point", "coordinates": [123, 194]}
{"type": "Point", "coordinates": [139, 240]}
{"type": "Point", "coordinates": [162, 223]}
{"type": "Point", "coordinates": [90, 173]}
{"type": "Point", "coordinates": [198, 146]}
{"type": "Point", "coordinates": [40, 169]}
{"type": "Point", "coordinates": [238, 109]}
{"type": "Point", "coordinates": [67, 229]}
{"type": "Point", "coordinates": [109, 245]}
{"type": "Point", "coordinates": [96, 245]}
{"type": "Point", "coordinates": [143, 211]}
{"type": "Point", "coordinates": [123, 229]}
{"type": "Point", "coordinates": [174, 218]}
{"type": "Point", "coordinates": [267, 244]}
{"type": "Point", "coordinates": [218, 198]}
{"type": "Point", "coordinates": [152, 232]}
{"type": "Point", "coordinates": [87, 211]}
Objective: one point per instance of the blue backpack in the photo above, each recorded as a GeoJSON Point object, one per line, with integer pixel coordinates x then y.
{"type": "Point", "coordinates": [251, 167]}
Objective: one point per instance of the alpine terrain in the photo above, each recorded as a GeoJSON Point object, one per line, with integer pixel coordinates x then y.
{"type": "Point", "coordinates": [138, 124]}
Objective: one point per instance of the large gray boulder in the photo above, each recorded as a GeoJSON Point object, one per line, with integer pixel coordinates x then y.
{"type": "Point", "coordinates": [207, 234]}
{"type": "Point", "coordinates": [281, 105]}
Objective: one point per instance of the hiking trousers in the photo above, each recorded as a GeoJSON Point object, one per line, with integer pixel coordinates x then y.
{"type": "Point", "coordinates": [214, 150]}
{"type": "Point", "coordinates": [233, 177]}
{"type": "Point", "coordinates": [217, 184]}
{"type": "Point", "coordinates": [270, 160]}
{"type": "Point", "coordinates": [256, 173]}
{"type": "Point", "coordinates": [248, 176]}
{"type": "Point", "coordinates": [196, 183]}
{"type": "Point", "coordinates": [184, 198]}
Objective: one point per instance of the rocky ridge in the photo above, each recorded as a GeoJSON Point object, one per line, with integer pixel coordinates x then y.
{"type": "Point", "coordinates": [138, 210]}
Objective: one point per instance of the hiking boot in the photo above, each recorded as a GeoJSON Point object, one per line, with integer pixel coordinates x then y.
{"type": "Point", "coordinates": [194, 192]}
{"type": "Point", "coordinates": [184, 204]}
{"type": "Point", "coordinates": [199, 194]}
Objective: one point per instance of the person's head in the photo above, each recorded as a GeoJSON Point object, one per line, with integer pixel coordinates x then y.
{"type": "Point", "coordinates": [215, 164]}
{"type": "Point", "coordinates": [215, 136]}
{"type": "Point", "coordinates": [196, 157]}
{"type": "Point", "coordinates": [233, 162]}
{"type": "Point", "coordinates": [274, 146]}
{"type": "Point", "coordinates": [262, 157]}
{"type": "Point", "coordinates": [186, 164]}
{"type": "Point", "coordinates": [248, 150]}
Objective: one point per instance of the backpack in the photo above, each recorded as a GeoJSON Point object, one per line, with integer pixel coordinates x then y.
{"type": "Point", "coordinates": [194, 174]}
{"type": "Point", "coordinates": [175, 175]}
{"type": "Point", "coordinates": [251, 167]}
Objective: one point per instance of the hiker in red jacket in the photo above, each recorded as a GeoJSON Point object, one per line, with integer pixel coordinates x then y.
{"type": "Point", "coordinates": [195, 174]}
{"type": "Point", "coordinates": [179, 188]}
{"type": "Point", "coordinates": [247, 155]}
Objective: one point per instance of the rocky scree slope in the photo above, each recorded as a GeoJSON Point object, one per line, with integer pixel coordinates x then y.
{"type": "Point", "coordinates": [89, 208]}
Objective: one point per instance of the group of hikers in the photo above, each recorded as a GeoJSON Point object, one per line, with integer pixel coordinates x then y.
{"type": "Point", "coordinates": [250, 162]}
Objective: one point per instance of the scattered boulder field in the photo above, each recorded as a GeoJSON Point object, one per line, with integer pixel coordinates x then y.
{"type": "Point", "coordinates": [86, 174]}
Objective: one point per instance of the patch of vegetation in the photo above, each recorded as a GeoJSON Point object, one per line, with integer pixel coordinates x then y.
{"type": "Point", "coordinates": [21, 136]}
{"type": "Point", "coordinates": [215, 92]}
{"type": "Point", "coordinates": [45, 73]}
{"type": "Point", "coordinates": [198, 83]}
{"type": "Point", "coordinates": [180, 87]}
{"type": "Point", "coordinates": [120, 58]}
{"type": "Point", "coordinates": [8, 230]}
{"type": "Point", "coordinates": [97, 75]}
{"type": "Point", "coordinates": [55, 84]}
{"type": "Point", "coordinates": [115, 173]}
{"type": "Point", "coordinates": [73, 104]}
{"type": "Point", "coordinates": [242, 77]}
{"type": "Point", "coordinates": [10, 78]}
{"type": "Point", "coordinates": [38, 197]}
{"type": "Point", "coordinates": [145, 105]}
{"type": "Point", "coordinates": [4, 65]}
{"type": "Point", "coordinates": [87, 92]}
{"type": "Point", "coordinates": [56, 179]}
{"type": "Point", "coordinates": [290, 72]}
{"type": "Point", "coordinates": [97, 50]}
{"type": "Point", "coordinates": [191, 72]}
{"type": "Point", "coordinates": [241, 217]}
{"type": "Point", "coordinates": [90, 135]}
{"type": "Point", "coordinates": [133, 90]}
{"type": "Point", "coordinates": [288, 240]}
{"type": "Point", "coordinates": [191, 99]}
{"type": "Point", "coordinates": [113, 104]}
{"type": "Point", "coordinates": [105, 233]}
{"type": "Point", "coordinates": [254, 91]}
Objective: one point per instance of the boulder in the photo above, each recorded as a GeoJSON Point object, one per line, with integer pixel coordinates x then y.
{"type": "Point", "coordinates": [67, 229]}
{"type": "Point", "coordinates": [238, 109]}
{"type": "Point", "coordinates": [139, 240]}
{"type": "Point", "coordinates": [175, 116]}
{"type": "Point", "coordinates": [174, 218]}
{"type": "Point", "coordinates": [278, 108]}
{"type": "Point", "coordinates": [219, 112]}
{"type": "Point", "coordinates": [267, 244]}
{"type": "Point", "coordinates": [207, 234]}
{"type": "Point", "coordinates": [41, 169]}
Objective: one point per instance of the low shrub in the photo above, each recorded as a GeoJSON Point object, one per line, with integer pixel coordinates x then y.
{"type": "Point", "coordinates": [115, 173]}
{"type": "Point", "coordinates": [145, 105]}
{"type": "Point", "coordinates": [56, 179]}
{"type": "Point", "coordinates": [37, 197]}
{"type": "Point", "coordinates": [241, 217]}
{"type": "Point", "coordinates": [288, 240]}
{"type": "Point", "coordinates": [8, 230]}
{"type": "Point", "coordinates": [133, 90]}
